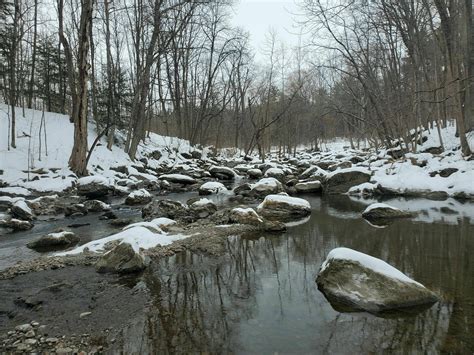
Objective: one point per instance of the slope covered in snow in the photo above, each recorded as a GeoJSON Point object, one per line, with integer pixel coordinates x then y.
{"type": "Point", "coordinates": [15, 163]}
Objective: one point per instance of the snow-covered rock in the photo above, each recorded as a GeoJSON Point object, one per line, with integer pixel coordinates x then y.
{"type": "Point", "coordinates": [351, 280]}
{"type": "Point", "coordinates": [308, 186]}
{"type": "Point", "coordinates": [340, 181]}
{"type": "Point", "coordinates": [254, 173]}
{"type": "Point", "coordinates": [53, 240]}
{"type": "Point", "coordinates": [138, 197]}
{"type": "Point", "coordinates": [203, 208]}
{"type": "Point", "coordinates": [266, 186]}
{"type": "Point", "coordinates": [222, 173]}
{"type": "Point", "coordinates": [96, 206]}
{"type": "Point", "coordinates": [165, 208]}
{"type": "Point", "coordinates": [21, 210]}
{"type": "Point", "coordinates": [15, 224]}
{"type": "Point", "coordinates": [283, 206]}
{"type": "Point", "coordinates": [276, 173]}
{"type": "Point", "coordinates": [382, 211]}
{"type": "Point", "coordinates": [211, 187]}
{"type": "Point", "coordinates": [93, 186]}
{"type": "Point", "coordinates": [122, 259]}
{"type": "Point", "coordinates": [245, 216]}
{"type": "Point", "coordinates": [178, 179]}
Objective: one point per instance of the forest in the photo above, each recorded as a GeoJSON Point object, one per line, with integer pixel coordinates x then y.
{"type": "Point", "coordinates": [371, 70]}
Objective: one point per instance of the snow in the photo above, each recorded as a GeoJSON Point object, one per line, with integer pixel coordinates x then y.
{"type": "Point", "coordinates": [202, 202]}
{"type": "Point", "coordinates": [293, 201]}
{"type": "Point", "coordinates": [274, 172]}
{"type": "Point", "coordinates": [177, 177]}
{"type": "Point", "coordinates": [19, 191]}
{"type": "Point", "coordinates": [150, 225]}
{"type": "Point", "coordinates": [94, 179]}
{"type": "Point", "coordinates": [368, 262]}
{"type": "Point", "coordinates": [60, 133]}
{"type": "Point", "coordinates": [213, 186]}
{"type": "Point", "coordinates": [21, 204]}
{"type": "Point", "coordinates": [265, 184]}
{"type": "Point", "coordinates": [139, 193]}
{"type": "Point", "coordinates": [163, 222]}
{"type": "Point", "coordinates": [379, 205]}
{"type": "Point", "coordinates": [138, 237]}
{"type": "Point", "coordinates": [347, 170]}
{"type": "Point", "coordinates": [58, 235]}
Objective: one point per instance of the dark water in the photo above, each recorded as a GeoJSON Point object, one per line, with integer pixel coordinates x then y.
{"type": "Point", "coordinates": [262, 297]}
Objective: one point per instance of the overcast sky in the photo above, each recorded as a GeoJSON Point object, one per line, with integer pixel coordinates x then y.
{"type": "Point", "coordinates": [257, 16]}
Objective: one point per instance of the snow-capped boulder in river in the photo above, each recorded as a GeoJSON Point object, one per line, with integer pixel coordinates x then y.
{"type": "Point", "coordinates": [178, 179]}
{"type": "Point", "coordinates": [211, 187]}
{"type": "Point", "coordinates": [282, 206]}
{"type": "Point", "coordinates": [21, 210]}
{"type": "Point", "coordinates": [276, 173]}
{"type": "Point", "coordinates": [308, 187]}
{"type": "Point", "coordinates": [96, 206]}
{"type": "Point", "coordinates": [266, 186]}
{"type": "Point", "coordinates": [245, 216]}
{"type": "Point", "coordinates": [93, 186]}
{"type": "Point", "coordinates": [222, 173]}
{"type": "Point", "coordinates": [354, 281]}
{"type": "Point", "coordinates": [54, 240]}
{"type": "Point", "coordinates": [382, 211]}
{"type": "Point", "coordinates": [254, 173]}
{"type": "Point", "coordinates": [138, 197]}
{"type": "Point", "coordinates": [203, 208]}
{"type": "Point", "coordinates": [340, 181]}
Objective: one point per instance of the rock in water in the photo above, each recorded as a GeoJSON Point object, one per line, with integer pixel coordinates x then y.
{"type": "Point", "coordinates": [96, 206]}
{"type": "Point", "coordinates": [211, 187]}
{"type": "Point", "coordinates": [307, 187]}
{"type": "Point", "coordinates": [122, 259]}
{"type": "Point", "coordinates": [139, 197]}
{"type": "Point", "coordinates": [178, 179]}
{"type": "Point", "coordinates": [222, 173]}
{"type": "Point", "coordinates": [203, 208]}
{"type": "Point", "coordinates": [382, 211]}
{"type": "Point", "coordinates": [340, 181]}
{"type": "Point", "coordinates": [93, 186]}
{"type": "Point", "coordinates": [52, 240]}
{"type": "Point", "coordinates": [266, 186]}
{"type": "Point", "coordinates": [353, 281]}
{"type": "Point", "coordinates": [21, 210]}
{"type": "Point", "coordinates": [245, 216]}
{"type": "Point", "coordinates": [282, 206]}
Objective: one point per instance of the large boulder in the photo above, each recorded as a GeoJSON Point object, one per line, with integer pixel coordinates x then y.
{"type": "Point", "coordinates": [122, 259]}
{"type": "Point", "coordinates": [222, 173]}
{"type": "Point", "coordinates": [203, 208]}
{"type": "Point", "coordinates": [282, 206]}
{"type": "Point", "coordinates": [382, 211]}
{"type": "Point", "coordinates": [276, 173]}
{"type": "Point", "coordinates": [211, 187]}
{"type": "Point", "coordinates": [254, 173]}
{"type": "Point", "coordinates": [266, 186]}
{"type": "Point", "coordinates": [165, 208]}
{"type": "Point", "coordinates": [21, 210]}
{"type": "Point", "coordinates": [353, 281]}
{"type": "Point", "coordinates": [138, 197]}
{"type": "Point", "coordinates": [16, 224]}
{"type": "Point", "coordinates": [308, 187]}
{"type": "Point", "coordinates": [96, 206]}
{"type": "Point", "coordinates": [93, 186]}
{"type": "Point", "coordinates": [245, 216]}
{"type": "Point", "coordinates": [178, 179]}
{"type": "Point", "coordinates": [340, 181]}
{"type": "Point", "coordinates": [54, 240]}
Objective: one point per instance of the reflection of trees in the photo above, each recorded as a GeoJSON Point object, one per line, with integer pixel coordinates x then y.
{"type": "Point", "coordinates": [204, 304]}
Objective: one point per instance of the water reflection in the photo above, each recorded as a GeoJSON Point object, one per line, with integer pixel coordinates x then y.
{"type": "Point", "coordinates": [262, 297]}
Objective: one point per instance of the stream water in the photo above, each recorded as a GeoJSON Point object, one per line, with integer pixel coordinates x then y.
{"type": "Point", "coordinates": [262, 298]}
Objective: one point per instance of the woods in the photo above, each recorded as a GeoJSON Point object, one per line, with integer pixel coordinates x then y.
{"type": "Point", "coordinates": [369, 70]}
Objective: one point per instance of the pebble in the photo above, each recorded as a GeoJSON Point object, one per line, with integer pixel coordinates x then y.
{"type": "Point", "coordinates": [30, 334]}
{"type": "Point", "coordinates": [85, 314]}
{"type": "Point", "coordinates": [52, 340]}
{"type": "Point", "coordinates": [31, 341]}
{"type": "Point", "coordinates": [24, 327]}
